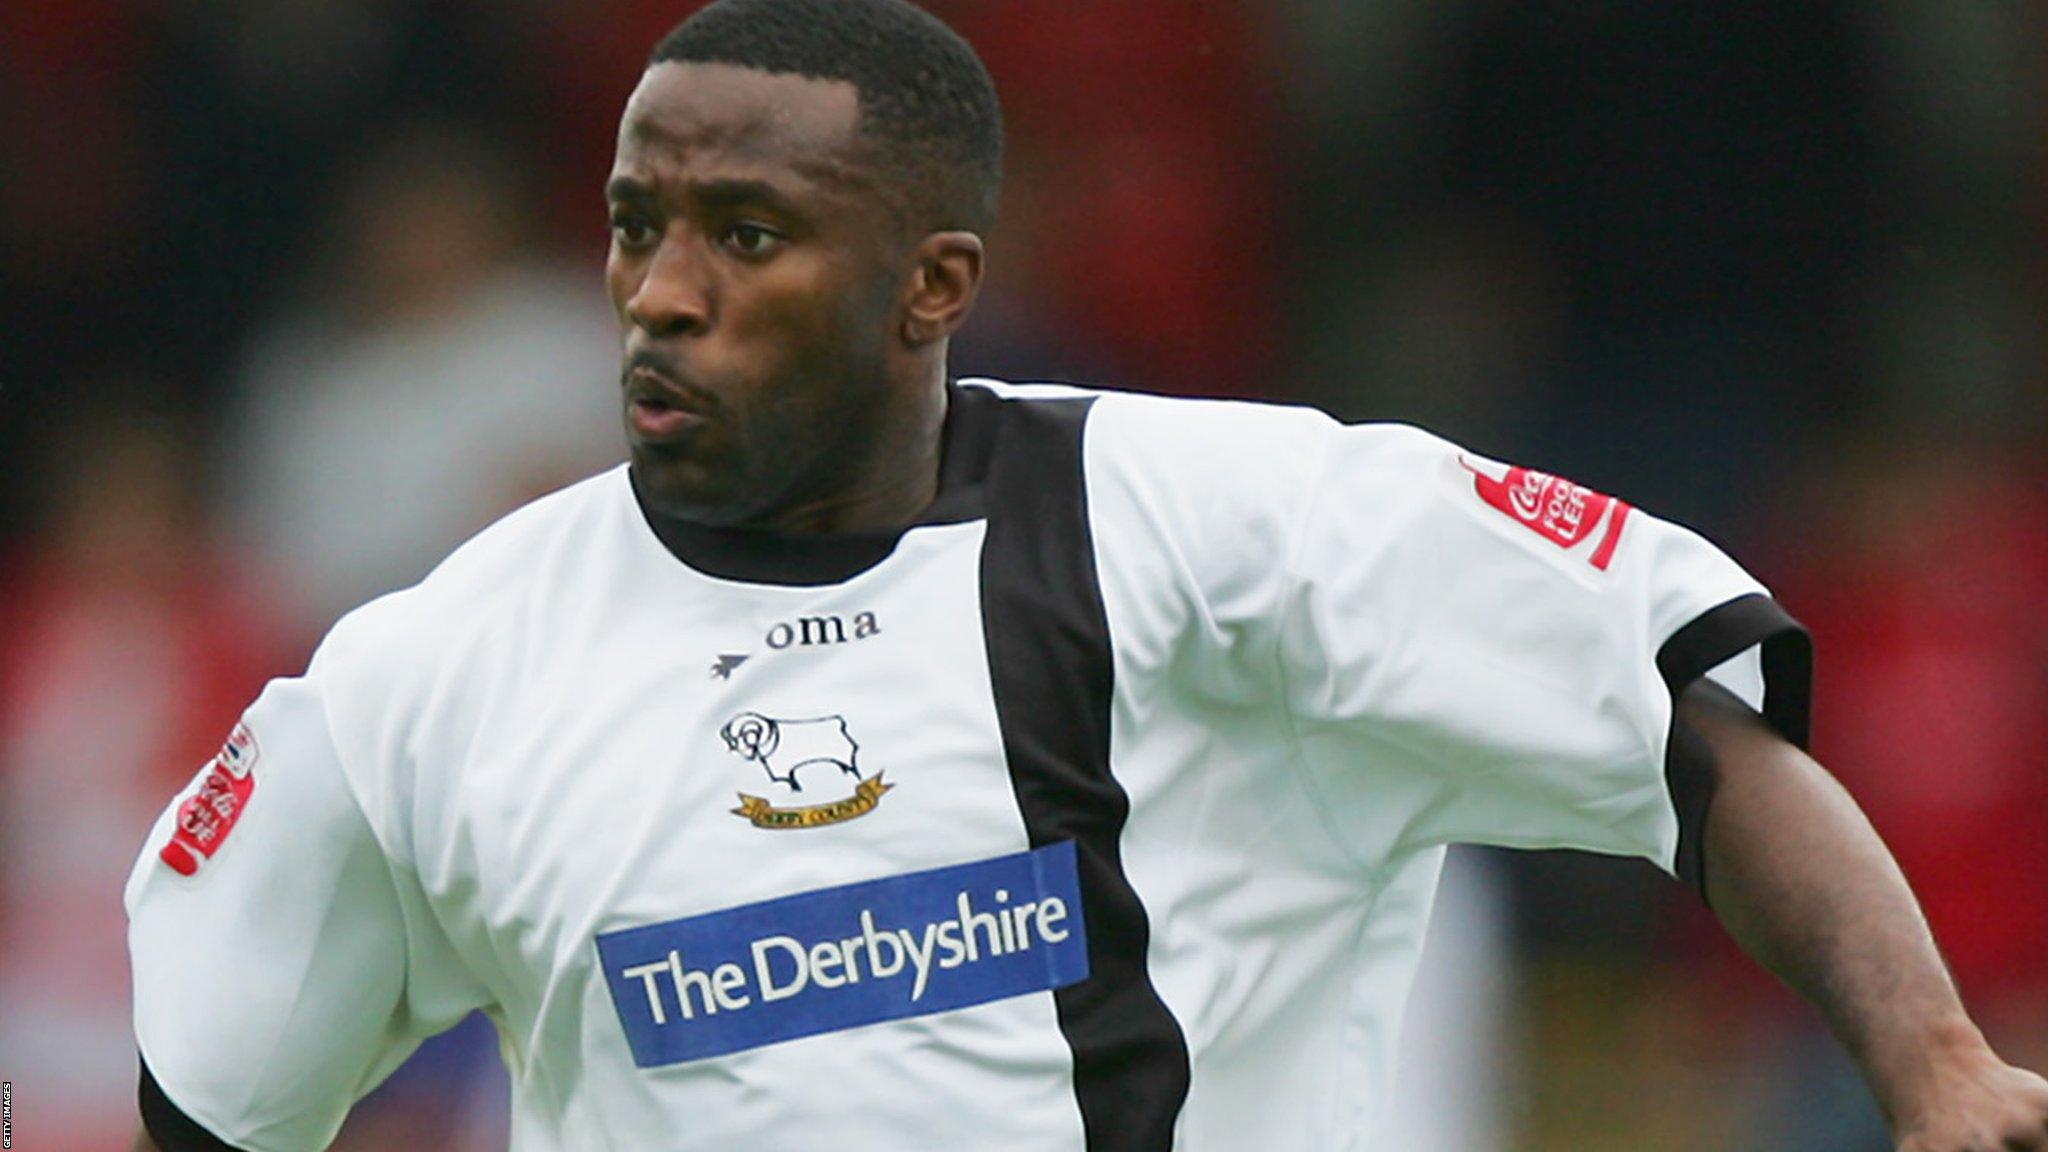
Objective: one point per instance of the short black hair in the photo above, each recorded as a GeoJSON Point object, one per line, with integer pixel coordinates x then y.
{"type": "Point", "coordinates": [925, 96]}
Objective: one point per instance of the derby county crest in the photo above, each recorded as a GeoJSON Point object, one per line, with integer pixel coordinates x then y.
{"type": "Point", "coordinates": [814, 758]}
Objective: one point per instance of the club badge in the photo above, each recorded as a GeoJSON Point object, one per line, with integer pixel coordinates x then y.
{"type": "Point", "coordinates": [815, 760]}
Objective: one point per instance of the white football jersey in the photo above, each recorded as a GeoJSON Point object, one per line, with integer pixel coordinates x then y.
{"type": "Point", "coordinates": [1101, 809]}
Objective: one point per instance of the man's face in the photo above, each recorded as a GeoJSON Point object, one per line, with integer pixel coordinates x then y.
{"type": "Point", "coordinates": [754, 265]}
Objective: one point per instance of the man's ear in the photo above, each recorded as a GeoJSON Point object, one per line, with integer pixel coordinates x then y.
{"type": "Point", "coordinates": [943, 284]}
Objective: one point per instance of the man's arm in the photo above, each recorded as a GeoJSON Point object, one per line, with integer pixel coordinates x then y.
{"type": "Point", "coordinates": [1801, 880]}
{"type": "Point", "coordinates": [292, 896]}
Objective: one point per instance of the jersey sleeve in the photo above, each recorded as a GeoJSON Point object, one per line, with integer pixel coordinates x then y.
{"type": "Point", "coordinates": [1479, 653]}
{"type": "Point", "coordinates": [283, 965]}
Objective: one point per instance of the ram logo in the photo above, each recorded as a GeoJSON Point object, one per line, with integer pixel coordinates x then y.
{"type": "Point", "coordinates": [790, 750]}
{"type": "Point", "coordinates": [819, 750]}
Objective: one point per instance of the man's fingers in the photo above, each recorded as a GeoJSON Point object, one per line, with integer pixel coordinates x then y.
{"type": "Point", "coordinates": [2028, 1135]}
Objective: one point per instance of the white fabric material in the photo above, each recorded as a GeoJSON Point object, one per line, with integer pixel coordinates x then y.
{"type": "Point", "coordinates": [1457, 1061]}
{"type": "Point", "coordinates": [1334, 659]}
{"type": "Point", "coordinates": [1331, 659]}
{"type": "Point", "coordinates": [302, 964]}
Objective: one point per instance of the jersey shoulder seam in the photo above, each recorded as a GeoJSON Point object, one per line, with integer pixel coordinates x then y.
{"type": "Point", "coordinates": [1298, 761]}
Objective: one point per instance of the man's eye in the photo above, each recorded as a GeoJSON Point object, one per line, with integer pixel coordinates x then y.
{"type": "Point", "coordinates": [631, 231]}
{"type": "Point", "coordinates": [752, 239]}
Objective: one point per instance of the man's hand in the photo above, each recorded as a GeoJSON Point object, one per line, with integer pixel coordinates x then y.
{"type": "Point", "coordinates": [1975, 1102]}
{"type": "Point", "coordinates": [1801, 880]}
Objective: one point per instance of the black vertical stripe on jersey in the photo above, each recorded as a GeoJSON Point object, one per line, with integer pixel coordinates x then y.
{"type": "Point", "coordinates": [168, 1126]}
{"type": "Point", "coordinates": [1049, 659]}
{"type": "Point", "coordinates": [1709, 640]}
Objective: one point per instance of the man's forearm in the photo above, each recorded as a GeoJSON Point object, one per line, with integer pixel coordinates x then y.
{"type": "Point", "coordinates": [1803, 883]}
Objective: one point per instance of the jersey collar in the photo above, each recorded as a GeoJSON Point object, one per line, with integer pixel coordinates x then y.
{"type": "Point", "coordinates": [754, 556]}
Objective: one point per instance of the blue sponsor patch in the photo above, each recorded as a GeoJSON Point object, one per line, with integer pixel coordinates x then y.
{"type": "Point", "coordinates": [842, 957]}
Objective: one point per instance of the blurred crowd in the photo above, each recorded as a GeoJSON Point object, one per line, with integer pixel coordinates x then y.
{"type": "Point", "coordinates": [299, 293]}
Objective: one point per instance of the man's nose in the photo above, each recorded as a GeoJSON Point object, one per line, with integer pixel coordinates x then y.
{"type": "Point", "coordinates": [674, 298]}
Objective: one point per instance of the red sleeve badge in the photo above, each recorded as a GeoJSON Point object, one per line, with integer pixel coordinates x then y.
{"type": "Point", "coordinates": [1564, 513]}
{"type": "Point", "coordinates": [205, 820]}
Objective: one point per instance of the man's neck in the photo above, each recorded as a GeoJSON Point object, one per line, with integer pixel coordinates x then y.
{"type": "Point", "coordinates": [902, 456]}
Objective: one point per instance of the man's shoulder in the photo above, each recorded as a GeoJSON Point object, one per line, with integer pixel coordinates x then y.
{"type": "Point", "coordinates": [485, 582]}
{"type": "Point", "coordinates": [1221, 499]}
{"type": "Point", "coordinates": [1211, 464]}
{"type": "Point", "coordinates": [1149, 438]}
{"type": "Point", "coordinates": [1197, 434]}
{"type": "Point", "coordinates": [511, 555]}
{"type": "Point", "coordinates": [1170, 415]}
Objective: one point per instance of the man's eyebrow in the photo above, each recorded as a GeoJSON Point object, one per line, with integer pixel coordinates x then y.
{"type": "Point", "coordinates": [721, 192]}
{"type": "Point", "coordinates": [730, 192]}
{"type": "Point", "coordinates": [628, 189]}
